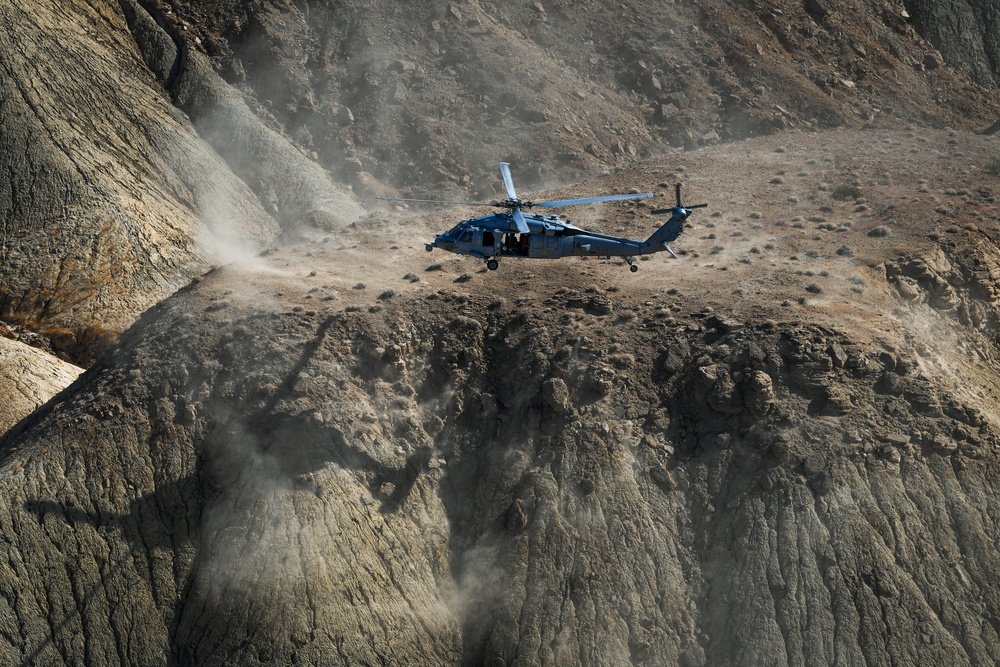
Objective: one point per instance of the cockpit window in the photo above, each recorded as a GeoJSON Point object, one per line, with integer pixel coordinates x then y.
{"type": "Point", "coordinates": [466, 237]}
{"type": "Point", "coordinates": [455, 231]}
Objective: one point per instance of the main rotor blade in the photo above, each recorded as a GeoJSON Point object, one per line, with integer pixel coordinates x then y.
{"type": "Point", "coordinates": [522, 224]}
{"type": "Point", "coordinates": [507, 180]}
{"type": "Point", "coordinates": [591, 200]}
{"type": "Point", "coordinates": [437, 201]}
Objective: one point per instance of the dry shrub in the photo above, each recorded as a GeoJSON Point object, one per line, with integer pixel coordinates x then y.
{"type": "Point", "coordinates": [846, 192]}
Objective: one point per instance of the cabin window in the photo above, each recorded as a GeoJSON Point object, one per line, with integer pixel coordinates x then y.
{"type": "Point", "coordinates": [487, 239]}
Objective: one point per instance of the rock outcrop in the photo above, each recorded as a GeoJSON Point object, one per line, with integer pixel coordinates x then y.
{"type": "Point", "coordinates": [29, 377]}
{"type": "Point", "coordinates": [110, 200]}
{"type": "Point", "coordinates": [965, 32]}
{"type": "Point", "coordinates": [293, 188]}
{"type": "Point", "coordinates": [457, 480]}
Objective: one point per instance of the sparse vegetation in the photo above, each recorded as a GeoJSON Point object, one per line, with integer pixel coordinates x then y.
{"type": "Point", "coordinates": [846, 192]}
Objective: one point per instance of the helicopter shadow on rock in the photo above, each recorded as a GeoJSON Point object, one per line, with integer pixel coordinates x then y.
{"type": "Point", "coordinates": [241, 459]}
{"type": "Point", "coordinates": [276, 445]}
{"type": "Point", "coordinates": [160, 521]}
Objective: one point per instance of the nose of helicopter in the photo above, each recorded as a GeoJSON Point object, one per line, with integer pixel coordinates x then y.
{"type": "Point", "coordinates": [444, 241]}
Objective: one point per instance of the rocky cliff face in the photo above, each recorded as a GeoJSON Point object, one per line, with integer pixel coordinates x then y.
{"type": "Point", "coordinates": [462, 479]}
{"type": "Point", "coordinates": [966, 33]}
{"type": "Point", "coordinates": [111, 198]}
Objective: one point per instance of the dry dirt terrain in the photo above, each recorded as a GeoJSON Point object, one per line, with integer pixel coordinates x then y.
{"type": "Point", "coordinates": [331, 447]}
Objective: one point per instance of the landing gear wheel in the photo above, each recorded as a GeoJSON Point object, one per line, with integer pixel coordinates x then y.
{"type": "Point", "coordinates": [633, 268]}
{"type": "Point", "coordinates": [492, 264]}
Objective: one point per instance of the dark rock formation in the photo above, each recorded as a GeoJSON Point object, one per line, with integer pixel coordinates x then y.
{"type": "Point", "coordinates": [966, 32]}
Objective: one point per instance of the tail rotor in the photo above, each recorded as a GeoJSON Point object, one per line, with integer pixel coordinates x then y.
{"type": "Point", "coordinates": [680, 210]}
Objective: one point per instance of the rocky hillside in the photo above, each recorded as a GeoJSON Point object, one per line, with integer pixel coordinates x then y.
{"type": "Point", "coordinates": [966, 33]}
{"type": "Point", "coordinates": [222, 125]}
{"type": "Point", "coordinates": [112, 198]}
{"type": "Point", "coordinates": [428, 97]}
{"type": "Point", "coordinates": [778, 448]}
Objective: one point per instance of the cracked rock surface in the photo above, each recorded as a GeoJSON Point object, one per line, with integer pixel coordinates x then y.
{"type": "Point", "coordinates": [28, 378]}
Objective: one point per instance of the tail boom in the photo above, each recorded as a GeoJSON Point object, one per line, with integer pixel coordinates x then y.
{"type": "Point", "coordinates": [670, 230]}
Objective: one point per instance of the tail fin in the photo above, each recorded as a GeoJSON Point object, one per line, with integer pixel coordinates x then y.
{"type": "Point", "coordinates": [670, 230]}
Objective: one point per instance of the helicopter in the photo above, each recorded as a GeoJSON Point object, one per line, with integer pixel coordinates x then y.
{"type": "Point", "coordinates": [514, 233]}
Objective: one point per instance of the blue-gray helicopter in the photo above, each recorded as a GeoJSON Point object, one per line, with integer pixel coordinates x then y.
{"type": "Point", "coordinates": [513, 233]}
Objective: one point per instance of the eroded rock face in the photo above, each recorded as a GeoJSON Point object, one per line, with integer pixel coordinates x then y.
{"type": "Point", "coordinates": [256, 478]}
{"type": "Point", "coordinates": [439, 483]}
{"type": "Point", "coordinates": [110, 200]}
{"type": "Point", "coordinates": [965, 31]}
{"type": "Point", "coordinates": [28, 378]}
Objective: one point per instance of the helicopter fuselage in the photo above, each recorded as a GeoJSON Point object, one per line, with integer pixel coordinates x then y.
{"type": "Point", "coordinates": [549, 237]}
